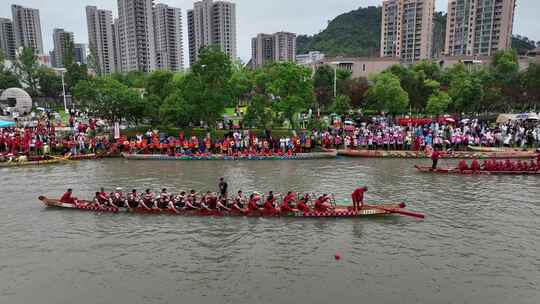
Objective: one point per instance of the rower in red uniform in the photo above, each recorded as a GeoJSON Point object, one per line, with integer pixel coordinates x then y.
{"type": "Point", "coordinates": [358, 198]}
{"type": "Point", "coordinates": [475, 166]}
{"type": "Point", "coordinates": [322, 204]}
{"type": "Point", "coordinates": [508, 166]}
{"type": "Point", "coordinates": [269, 204]}
{"type": "Point", "coordinates": [103, 197]}
{"type": "Point", "coordinates": [252, 204]}
{"type": "Point", "coordinates": [285, 206]}
{"type": "Point", "coordinates": [67, 198]}
{"type": "Point", "coordinates": [302, 204]}
{"type": "Point", "coordinates": [462, 166]}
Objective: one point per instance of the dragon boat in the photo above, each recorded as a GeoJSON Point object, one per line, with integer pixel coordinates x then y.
{"type": "Point", "coordinates": [338, 212]}
{"type": "Point", "coordinates": [297, 156]}
{"type": "Point", "coordinates": [425, 169]}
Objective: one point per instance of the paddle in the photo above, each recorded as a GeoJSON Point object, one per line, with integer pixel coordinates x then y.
{"type": "Point", "coordinates": [399, 211]}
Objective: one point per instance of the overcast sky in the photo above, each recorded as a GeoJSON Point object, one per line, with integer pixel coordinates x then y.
{"type": "Point", "coordinates": [253, 16]}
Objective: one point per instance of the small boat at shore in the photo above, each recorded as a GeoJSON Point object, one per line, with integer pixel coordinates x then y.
{"type": "Point", "coordinates": [339, 212]}
{"type": "Point", "coordinates": [426, 169]}
{"type": "Point", "coordinates": [495, 149]}
{"type": "Point", "coordinates": [297, 156]}
{"type": "Point", "coordinates": [10, 164]}
{"type": "Point", "coordinates": [447, 155]}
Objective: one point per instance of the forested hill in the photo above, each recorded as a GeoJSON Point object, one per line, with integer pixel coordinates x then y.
{"type": "Point", "coordinates": [358, 32]}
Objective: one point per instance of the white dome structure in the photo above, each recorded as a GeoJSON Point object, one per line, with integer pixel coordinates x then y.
{"type": "Point", "coordinates": [18, 99]}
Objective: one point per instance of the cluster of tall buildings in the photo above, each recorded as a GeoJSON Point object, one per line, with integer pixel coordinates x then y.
{"type": "Point", "coordinates": [474, 28]}
{"type": "Point", "coordinates": [148, 36]}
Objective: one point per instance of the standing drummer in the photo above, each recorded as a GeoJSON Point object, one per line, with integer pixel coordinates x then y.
{"type": "Point", "coordinates": [223, 189]}
{"type": "Point", "coordinates": [358, 198]}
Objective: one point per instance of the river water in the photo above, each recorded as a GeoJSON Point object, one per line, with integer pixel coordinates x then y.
{"type": "Point", "coordinates": [480, 242]}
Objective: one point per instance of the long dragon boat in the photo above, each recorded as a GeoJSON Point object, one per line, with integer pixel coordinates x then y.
{"type": "Point", "coordinates": [338, 212]}
{"type": "Point", "coordinates": [447, 155]}
{"type": "Point", "coordinates": [297, 156]}
{"type": "Point", "coordinates": [425, 169]}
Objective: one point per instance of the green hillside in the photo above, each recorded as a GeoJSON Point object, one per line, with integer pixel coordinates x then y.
{"type": "Point", "coordinates": [356, 33]}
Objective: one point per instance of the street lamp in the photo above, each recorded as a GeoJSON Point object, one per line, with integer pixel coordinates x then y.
{"type": "Point", "coordinates": [62, 72]}
{"type": "Point", "coordinates": [336, 64]}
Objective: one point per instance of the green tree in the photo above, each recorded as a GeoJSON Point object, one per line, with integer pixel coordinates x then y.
{"type": "Point", "coordinates": [176, 111]}
{"type": "Point", "coordinates": [26, 69]}
{"type": "Point", "coordinates": [7, 78]}
{"type": "Point", "coordinates": [289, 86]}
{"type": "Point", "coordinates": [438, 103]}
{"type": "Point", "coordinates": [107, 98]}
{"type": "Point", "coordinates": [241, 83]}
{"type": "Point", "coordinates": [259, 113]}
{"type": "Point", "coordinates": [323, 82]}
{"type": "Point", "coordinates": [356, 91]}
{"type": "Point", "coordinates": [341, 104]}
{"type": "Point", "coordinates": [158, 86]}
{"type": "Point", "coordinates": [531, 83]}
{"type": "Point", "coordinates": [50, 84]}
{"type": "Point", "coordinates": [387, 95]}
{"type": "Point", "coordinates": [75, 72]}
{"type": "Point", "coordinates": [420, 82]}
{"type": "Point", "coordinates": [467, 93]}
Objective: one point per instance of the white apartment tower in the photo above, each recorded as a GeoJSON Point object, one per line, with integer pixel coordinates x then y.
{"type": "Point", "coordinates": [212, 23]}
{"type": "Point", "coordinates": [169, 38]}
{"type": "Point", "coordinates": [101, 39]}
{"type": "Point", "coordinates": [479, 27]}
{"type": "Point", "coordinates": [60, 38]}
{"type": "Point", "coordinates": [407, 29]}
{"type": "Point", "coordinates": [284, 46]}
{"type": "Point", "coordinates": [136, 35]}
{"type": "Point", "coordinates": [7, 39]}
{"type": "Point", "coordinates": [27, 28]}
{"type": "Point", "coordinates": [280, 46]}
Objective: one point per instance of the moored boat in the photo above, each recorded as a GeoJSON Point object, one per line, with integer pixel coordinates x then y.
{"type": "Point", "coordinates": [447, 155]}
{"type": "Point", "coordinates": [425, 169]}
{"type": "Point", "coordinates": [339, 212]}
{"type": "Point", "coordinates": [32, 163]}
{"type": "Point", "coordinates": [297, 156]}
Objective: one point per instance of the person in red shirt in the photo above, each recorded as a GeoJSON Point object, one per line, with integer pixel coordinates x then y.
{"type": "Point", "coordinates": [358, 198]}
{"type": "Point", "coordinates": [462, 166]}
{"type": "Point", "coordinates": [252, 204]}
{"type": "Point", "coordinates": [302, 204]}
{"type": "Point", "coordinates": [322, 204]}
{"type": "Point", "coordinates": [269, 204]}
{"type": "Point", "coordinates": [285, 206]}
{"type": "Point", "coordinates": [67, 198]}
{"type": "Point", "coordinates": [475, 166]}
{"type": "Point", "coordinates": [435, 156]}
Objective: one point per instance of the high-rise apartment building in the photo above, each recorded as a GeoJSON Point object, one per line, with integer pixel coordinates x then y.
{"type": "Point", "coordinates": [212, 23]}
{"type": "Point", "coordinates": [27, 28]}
{"type": "Point", "coordinates": [7, 39]}
{"type": "Point", "coordinates": [284, 46]}
{"type": "Point", "coordinates": [101, 40]}
{"type": "Point", "coordinates": [169, 38]}
{"type": "Point", "coordinates": [407, 29]}
{"type": "Point", "coordinates": [80, 53]}
{"type": "Point", "coordinates": [479, 27]}
{"type": "Point", "coordinates": [136, 35]}
{"type": "Point", "coordinates": [60, 39]}
{"type": "Point", "coordinates": [266, 48]}
{"type": "Point", "coordinates": [116, 40]}
{"type": "Point", "coordinates": [262, 50]}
